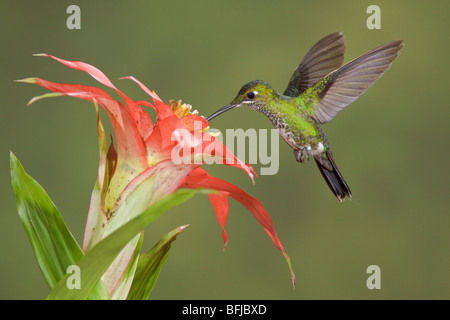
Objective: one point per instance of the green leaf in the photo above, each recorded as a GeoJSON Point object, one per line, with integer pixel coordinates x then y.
{"type": "Point", "coordinates": [97, 260]}
{"type": "Point", "coordinates": [53, 244]}
{"type": "Point", "coordinates": [127, 276]}
{"type": "Point", "coordinates": [150, 264]}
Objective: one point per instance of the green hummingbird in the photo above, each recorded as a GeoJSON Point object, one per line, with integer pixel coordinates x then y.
{"type": "Point", "coordinates": [319, 88]}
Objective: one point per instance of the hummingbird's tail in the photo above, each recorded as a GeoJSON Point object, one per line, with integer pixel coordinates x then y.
{"type": "Point", "coordinates": [332, 175]}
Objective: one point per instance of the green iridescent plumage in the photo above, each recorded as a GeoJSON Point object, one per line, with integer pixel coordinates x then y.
{"type": "Point", "coordinates": [318, 89]}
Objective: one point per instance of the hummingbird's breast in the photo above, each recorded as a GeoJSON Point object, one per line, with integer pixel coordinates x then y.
{"type": "Point", "coordinates": [294, 139]}
{"type": "Point", "coordinates": [295, 126]}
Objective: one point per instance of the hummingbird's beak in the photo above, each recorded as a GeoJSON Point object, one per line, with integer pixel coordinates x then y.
{"type": "Point", "coordinates": [220, 111]}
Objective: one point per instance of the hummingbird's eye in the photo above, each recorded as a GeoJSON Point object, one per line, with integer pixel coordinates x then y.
{"type": "Point", "coordinates": [251, 95]}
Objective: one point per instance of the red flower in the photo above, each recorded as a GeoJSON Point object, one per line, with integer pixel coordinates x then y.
{"type": "Point", "coordinates": [145, 149]}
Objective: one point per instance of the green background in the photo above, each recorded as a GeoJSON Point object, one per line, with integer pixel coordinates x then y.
{"type": "Point", "coordinates": [392, 144]}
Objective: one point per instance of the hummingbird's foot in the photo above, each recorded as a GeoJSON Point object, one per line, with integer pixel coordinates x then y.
{"type": "Point", "coordinates": [302, 154]}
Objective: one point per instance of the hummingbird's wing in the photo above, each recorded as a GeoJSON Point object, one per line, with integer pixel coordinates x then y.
{"type": "Point", "coordinates": [343, 86]}
{"type": "Point", "coordinates": [325, 56]}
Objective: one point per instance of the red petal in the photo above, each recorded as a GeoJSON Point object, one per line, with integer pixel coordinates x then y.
{"type": "Point", "coordinates": [221, 151]}
{"type": "Point", "coordinates": [67, 88]}
{"type": "Point", "coordinates": [194, 121]}
{"type": "Point", "coordinates": [93, 71]}
{"type": "Point", "coordinates": [201, 179]}
{"type": "Point", "coordinates": [160, 144]}
{"type": "Point", "coordinates": [140, 118]}
{"type": "Point", "coordinates": [144, 123]}
{"type": "Point", "coordinates": [220, 205]}
{"type": "Point", "coordinates": [143, 87]}
{"type": "Point", "coordinates": [162, 110]}
{"type": "Point", "coordinates": [130, 145]}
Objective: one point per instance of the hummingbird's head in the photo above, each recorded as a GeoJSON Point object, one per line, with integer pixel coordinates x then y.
{"type": "Point", "coordinates": [255, 95]}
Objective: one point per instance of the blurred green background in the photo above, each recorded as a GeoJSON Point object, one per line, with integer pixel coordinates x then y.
{"type": "Point", "coordinates": [392, 144]}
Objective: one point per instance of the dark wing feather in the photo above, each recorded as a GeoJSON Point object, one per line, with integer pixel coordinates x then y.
{"type": "Point", "coordinates": [325, 56]}
{"type": "Point", "coordinates": [345, 85]}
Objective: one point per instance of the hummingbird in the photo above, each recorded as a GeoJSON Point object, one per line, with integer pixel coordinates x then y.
{"type": "Point", "coordinates": [318, 89]}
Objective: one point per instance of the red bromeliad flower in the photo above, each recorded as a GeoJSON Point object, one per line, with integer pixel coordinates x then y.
{"type": "Point", "coordinates": [144, 158]}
